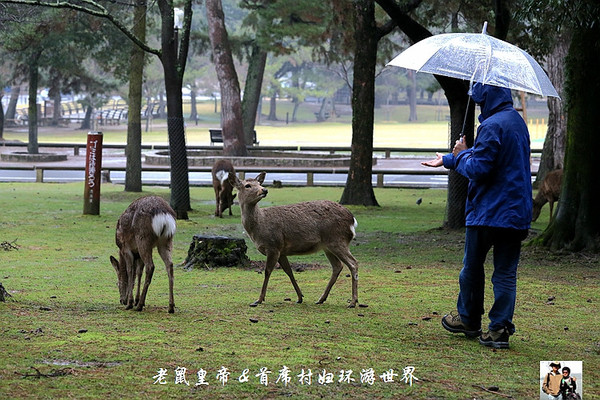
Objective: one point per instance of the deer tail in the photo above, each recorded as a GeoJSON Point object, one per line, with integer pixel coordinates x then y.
{"type": "Point", "coordinates": [164, 225]}
{"type": "Point", "coordinates": [222, 175]}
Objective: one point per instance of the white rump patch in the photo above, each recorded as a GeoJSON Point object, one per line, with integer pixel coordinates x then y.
{"type": "Point", "coordinates": [222, 175]}
{"type": "Point", "coordinates": [353, 228]}
{"type": "Point", "coordinates": [164, 225]}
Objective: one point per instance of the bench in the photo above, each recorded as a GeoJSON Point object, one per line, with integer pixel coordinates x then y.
{"type": "Point", "coordinates": [216, 136]}
{"type": "Point", "coordinates": [320, 118]}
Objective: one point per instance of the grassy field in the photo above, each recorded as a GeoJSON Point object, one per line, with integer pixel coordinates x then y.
{"type": "Point", "coordinates": [391, 128]}
{"type": "Point", "coordinates": [65, 335]}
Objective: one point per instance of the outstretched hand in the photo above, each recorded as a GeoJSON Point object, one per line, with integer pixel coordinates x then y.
{"type": "Point", "coordinates": [436, 162]}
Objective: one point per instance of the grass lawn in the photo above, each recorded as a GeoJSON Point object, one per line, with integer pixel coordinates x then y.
{"type": "Point", "coordinates": [391, 129]}
{"type": "Point", "coordinates": [63, 334]}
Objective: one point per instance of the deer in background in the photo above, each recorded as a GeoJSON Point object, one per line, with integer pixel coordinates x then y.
{"type": "Point", "coordinates": [548, 193]}
{"type": "Point", "coordinates": [295, 229]}
{"type": "Point", "coordinates": [148, 222]}
{"type": "Point", "coordinates": [223, 189]}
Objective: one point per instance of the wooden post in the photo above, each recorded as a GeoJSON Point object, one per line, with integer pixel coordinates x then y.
{"type": "Point", "coordinates": [39, 175]}
{"type": "Point", "coordinates": [93, 169]}
{"type": "Point", "coordinates": [379, 180]}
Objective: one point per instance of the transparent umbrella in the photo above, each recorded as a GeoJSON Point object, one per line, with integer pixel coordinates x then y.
{"type": "Point", "coordinates": [477, 57]}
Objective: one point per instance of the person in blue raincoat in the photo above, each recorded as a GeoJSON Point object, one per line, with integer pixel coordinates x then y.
{"type": "Point", "coordinates": [498, 214]}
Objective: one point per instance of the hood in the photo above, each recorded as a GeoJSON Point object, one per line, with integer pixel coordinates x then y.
{"type": "Point", "coordinates": [490, 98]}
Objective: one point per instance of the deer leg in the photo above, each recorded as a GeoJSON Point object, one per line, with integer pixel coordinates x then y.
{"type": "Point", "coordinates": [347, 258]}
{"type": "Point", "coordinates": [217, 198]}
{"type": "Point", "coordinates": [139, 269]}
{"type": "Point", "coordinates": [285, 265]}
{"type": "Point", "coordinates": [130, 266]}
{"type": "Point", "coordinates": [149, 264]}
{"type": "Point", "coordinates": [337, 267]}
{"type": "Point", "coordinates": [271, 262]}
{"type": "Point", "coordinates": [551, 204]}
{"type": "Point", "coordinates": [165, 254]}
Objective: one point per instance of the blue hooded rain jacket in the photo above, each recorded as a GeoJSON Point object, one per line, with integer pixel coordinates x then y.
{"type": "Point", "coordinates": [498, 165]}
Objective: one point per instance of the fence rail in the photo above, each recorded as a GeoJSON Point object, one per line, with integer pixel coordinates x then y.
{"type": "Point", "coordinates": [382, 176]}
{"type": "Point", "coordinates": [309, 173]}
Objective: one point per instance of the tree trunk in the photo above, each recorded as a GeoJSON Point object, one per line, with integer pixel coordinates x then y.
{"type": "Point", "coordinates": [87, 118]}
{"type": "Point", "coordinates": [297, 104]}
{"type": "Point", "coordinates": [252, 90]}
{"type": "Point", "coordinates": [133, 151]}
{"type": "Point", "coordinates": [553, 152]}
{"type": "Point", "coordinates": [359, 189]}
{"type": "Point", "coordinates": [273, 108]}
{"type": "Point", "coordinates": [576, 225]}
{"type": "Point", "coordinates": [231, 104]}
{"type": "Point", "coordinates": [11, 109]}
{"type": "Point", "coordinates": [173, 60]}
{"type": "Point", "coordinates": [57, 112]}
{"type": "Point", "coordinates": [456, 93]}
{"type": "Point", "coordinates": [1, 117]}
{"type": "Point", "coordinates": [161, 107]}
{"type": "Point", "coordinates": [193, 105]}
{"type": "Point", "coordinates": [32, 144]}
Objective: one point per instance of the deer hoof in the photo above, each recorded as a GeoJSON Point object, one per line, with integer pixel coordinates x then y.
{"type": "Point", "coordinates": [171, 309]}
{"type": "Point", "coordinates": [129, 306]}
{"type": "Point", "coordinates": [139, 308]}
{"type": "Point", "coordinates": [352, 305]}
{"type": "Point", "coordinates": [255, 303]}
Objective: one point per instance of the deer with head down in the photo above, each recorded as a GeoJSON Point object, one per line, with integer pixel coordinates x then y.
{"type": "Point", "coordinates": [148, 222]}
{"type": "Point", "coordinates": [223, 189]}
{"type": "Point", "coordinates": [548, 193]}
{"type": "Point", "coordinates": [295, 229]}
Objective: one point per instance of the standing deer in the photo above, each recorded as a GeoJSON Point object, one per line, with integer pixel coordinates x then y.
{"type": "Point", "coordinates": [148, 222]}
{"type": "Point", "coordinates": [223, 189]}
{"type": "Point", "coordinates": [548, 193]}
{"type": "Point", "coordinates": [296, 229]}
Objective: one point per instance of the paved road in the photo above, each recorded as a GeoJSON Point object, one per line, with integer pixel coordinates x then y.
{"type": "Point", "coordinates": [407, 163]}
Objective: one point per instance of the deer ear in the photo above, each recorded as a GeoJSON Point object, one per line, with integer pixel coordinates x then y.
{"type": "Point", "coordinates": [261, 177]}
{"type": "Point", "coordinates": [114, 263]}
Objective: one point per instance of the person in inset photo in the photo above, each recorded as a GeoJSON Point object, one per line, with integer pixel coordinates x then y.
{"type": "Point", "coordinates": [552, 382]}
{"type": "Point", "coordinates": [568, 386]}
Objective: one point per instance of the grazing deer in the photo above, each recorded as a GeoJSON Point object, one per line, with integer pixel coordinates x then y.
{"type": "Point", "coordinates": [548, 193]}
{"type": "Point", "coordinates": [148, 222]}
{"type": "Point", "coordinates": [223, 189]}
{"type": "Point", "coordinates": [295, 229]}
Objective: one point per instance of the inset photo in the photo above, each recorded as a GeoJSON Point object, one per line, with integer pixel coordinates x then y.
{"type": "Point", "coordinates": [561, 380]}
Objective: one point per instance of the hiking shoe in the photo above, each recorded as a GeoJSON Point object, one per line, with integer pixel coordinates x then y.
{"type": "Point", "coordinates": [451, 322]}
{"type": "Point", "coordinates": [495, 339]}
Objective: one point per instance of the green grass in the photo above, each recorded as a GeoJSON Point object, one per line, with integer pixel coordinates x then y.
{"type": "Point", "coordinates": [64, 315]}
{"type": "Point", "coordinates": [391, 129]}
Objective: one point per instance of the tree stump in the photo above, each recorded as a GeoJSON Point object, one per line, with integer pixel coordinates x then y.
{"type": "Point", "coordinates": [216, 251]}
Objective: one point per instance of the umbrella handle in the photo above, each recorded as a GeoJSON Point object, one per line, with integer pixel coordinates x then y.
{"type": "Point", "coordinates": [462, 132]}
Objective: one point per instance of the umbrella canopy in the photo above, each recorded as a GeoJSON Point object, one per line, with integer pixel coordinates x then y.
{"type": "Point", "coordinates": [477, 57]}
